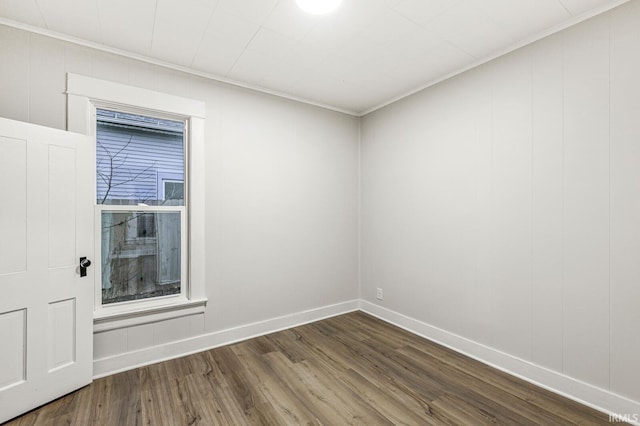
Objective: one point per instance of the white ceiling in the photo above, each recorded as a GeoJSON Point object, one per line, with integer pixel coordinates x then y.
{"type": "Point", "coordinates": [364, 55]}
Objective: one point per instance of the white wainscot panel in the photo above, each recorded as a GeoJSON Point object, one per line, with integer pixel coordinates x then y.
{"type": "Point", "coordinates": [547, 272]}
{"type": "Point", "coordinates": [586, 202]}
{"type": "Point", "coordinates": [139, 337]}
{"type": "Point", "coordinates": [171, 330]}
{"type": "Point", "coordinates": [625, 203]}
{"type": "Point", "coordinates": [109, 343]}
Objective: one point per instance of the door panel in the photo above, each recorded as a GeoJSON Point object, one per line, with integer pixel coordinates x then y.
{"type": "Point", "coordinates": [46, 224]}
{"type": "Point", "coordinates": [12, 335]}
{"type": "Point", "coordinates": [13, 227]}
{"type": "Point", "coordinates": [61, 207]}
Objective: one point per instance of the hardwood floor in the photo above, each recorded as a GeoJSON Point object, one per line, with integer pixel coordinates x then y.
{"type": "Point", "coordinates": [351, 369]}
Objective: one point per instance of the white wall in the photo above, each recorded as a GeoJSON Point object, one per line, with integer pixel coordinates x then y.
{"type": "Point", "coordinates": [281, 190]}
{"type": "Point", "coordinates": [503, 205]}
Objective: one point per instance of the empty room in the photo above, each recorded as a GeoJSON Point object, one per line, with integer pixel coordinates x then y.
{"type": "Point", "coordinates": [322, 212]}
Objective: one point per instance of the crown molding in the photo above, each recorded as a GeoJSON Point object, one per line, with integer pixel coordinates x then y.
{"type": "Point", "coordinates": [164, 64]}
{"type": "Point", "coordinates": [501, 52]}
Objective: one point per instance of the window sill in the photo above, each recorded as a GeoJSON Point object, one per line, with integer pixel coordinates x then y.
{"type": "Point", "coordinates": [112, 321]}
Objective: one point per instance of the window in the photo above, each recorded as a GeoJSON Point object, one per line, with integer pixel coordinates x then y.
{"type": "Point", "coordinates": [149, 171]}
{"type": "Point", "coordinates": [170, 186]}
{"type": "Point", "coordinates": [172, 190]}
{"type": "Point", "coordinates": [141, 247]}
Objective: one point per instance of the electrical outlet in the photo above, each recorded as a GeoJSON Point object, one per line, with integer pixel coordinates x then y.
{"type": "Point", "coordinates": [379, 294]}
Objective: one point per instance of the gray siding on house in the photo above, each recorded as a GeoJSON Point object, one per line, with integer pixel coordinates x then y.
{"type": "Point", "coordinates": [133, 161]}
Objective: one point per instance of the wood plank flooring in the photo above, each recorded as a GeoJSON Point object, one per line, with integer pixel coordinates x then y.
{"type": "Point", "coordinates": [350, 369]}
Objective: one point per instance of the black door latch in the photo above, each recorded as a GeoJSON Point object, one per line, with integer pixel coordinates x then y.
{"type": "Point", "coordinates": [84, 264]}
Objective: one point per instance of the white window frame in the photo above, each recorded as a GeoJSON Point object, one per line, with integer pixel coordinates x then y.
{"type": "Point", "coordinates": [84, 96]}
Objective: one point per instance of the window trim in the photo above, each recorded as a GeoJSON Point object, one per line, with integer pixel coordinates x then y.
{"type": "Point", "coordinates": [84, 95]}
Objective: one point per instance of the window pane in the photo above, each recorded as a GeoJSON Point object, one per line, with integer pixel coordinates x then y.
{"type": "Point", "coordinates": [134, 156]}
{"type": "Point", "coordinates": [140, 255]}
{"type": "Point", "coordinates": [173, 190]}
{"type": "Point", "coordinates": [146, 224]}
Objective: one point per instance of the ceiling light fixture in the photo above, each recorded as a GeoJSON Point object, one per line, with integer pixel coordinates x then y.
{"type": "Point", "coordinates": [318, 7]}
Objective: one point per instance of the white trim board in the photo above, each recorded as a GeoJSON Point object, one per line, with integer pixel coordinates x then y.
{"type": "Point", "coordinates": [146, 316]}
{"type": "Point", "coordinates": [130, 360]}
{"type": "Point", "coordinates": [584, 393]}
{"type": "Point", "coordinates": [103, 90]}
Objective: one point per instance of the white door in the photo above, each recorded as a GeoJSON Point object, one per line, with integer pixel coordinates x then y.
{"type": "Point", "coordinates": [46, 224]}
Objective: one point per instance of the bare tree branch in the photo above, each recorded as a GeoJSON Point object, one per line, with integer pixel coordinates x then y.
{"type": "Point", "coordinates": [115, 162]}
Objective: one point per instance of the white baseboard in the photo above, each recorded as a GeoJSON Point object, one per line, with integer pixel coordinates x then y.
{"type": "Point", "coordinates": [130, 360]}
{"type": "Point", "coordinates": [592, 396]}
{"type": "Point", "coordinates": [584, 393]}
